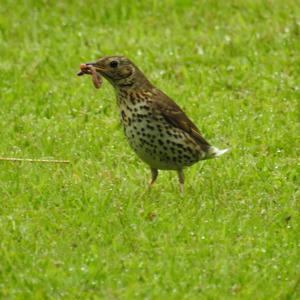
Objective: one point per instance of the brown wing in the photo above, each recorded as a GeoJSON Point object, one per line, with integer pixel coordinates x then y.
{"type": "Point", "coordinates": [175, 116]}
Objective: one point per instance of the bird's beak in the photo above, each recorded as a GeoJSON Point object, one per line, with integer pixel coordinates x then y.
{"type": "Point", "coordinates": [96, 66]}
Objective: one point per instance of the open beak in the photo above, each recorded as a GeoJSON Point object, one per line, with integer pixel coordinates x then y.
{"type": "Point", "coordinates": [97, 67]}
{"type": "Point", "coordinates": [84, 68]}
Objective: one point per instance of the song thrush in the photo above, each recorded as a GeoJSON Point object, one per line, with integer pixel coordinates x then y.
{"type": "Point", "coordinates": [156, 128]}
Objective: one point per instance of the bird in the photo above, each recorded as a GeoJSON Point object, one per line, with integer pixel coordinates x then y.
{"type": "Point", "coordinates": [156, 128]}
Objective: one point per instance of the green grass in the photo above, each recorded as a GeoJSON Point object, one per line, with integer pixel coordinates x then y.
{"type": "Point", "coordinates": [89, 230]}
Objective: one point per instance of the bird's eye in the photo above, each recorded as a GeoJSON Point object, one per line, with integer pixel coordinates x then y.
{"type": "Point", "coordinates": [113, 64]}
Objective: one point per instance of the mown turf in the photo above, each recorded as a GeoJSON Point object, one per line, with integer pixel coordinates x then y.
{"type": "Point", "coordinates": [90, 230]}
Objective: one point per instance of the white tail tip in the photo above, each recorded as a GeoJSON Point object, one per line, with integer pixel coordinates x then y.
{"type": "Point", "coordinates": [215, 152]}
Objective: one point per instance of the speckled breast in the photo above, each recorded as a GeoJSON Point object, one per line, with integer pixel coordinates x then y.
{"type": "Point", "coordinates": [156, 142]}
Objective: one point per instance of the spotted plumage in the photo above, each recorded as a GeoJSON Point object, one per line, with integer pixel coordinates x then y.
{"type": "Point", "coordinates": [156, 128]}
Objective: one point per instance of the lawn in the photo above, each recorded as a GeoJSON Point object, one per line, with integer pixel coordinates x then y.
{"type": "Point", "coordinates": [91, 229]}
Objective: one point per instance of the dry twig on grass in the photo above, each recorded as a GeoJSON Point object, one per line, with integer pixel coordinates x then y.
{"type": "Point", "coordinates": [54, 161]}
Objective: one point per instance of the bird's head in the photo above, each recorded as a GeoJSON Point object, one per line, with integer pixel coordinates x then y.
{"type": "Point", "coordinates": [119, 71]}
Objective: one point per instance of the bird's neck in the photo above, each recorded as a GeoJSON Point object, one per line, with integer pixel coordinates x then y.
{"type": "Point", "coordinates": [133, 84]}
{"type": "Point", "coordinates": [131, 95]}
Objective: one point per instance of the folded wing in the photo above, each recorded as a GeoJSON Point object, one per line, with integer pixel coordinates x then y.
{"type": "Point", "coordinates": [175, 116]}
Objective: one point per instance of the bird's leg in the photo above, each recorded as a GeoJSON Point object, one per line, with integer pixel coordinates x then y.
{"type": "Point", "coordinates": [181, 180]}
{"type": "Point", "coordinates": [154, 174]}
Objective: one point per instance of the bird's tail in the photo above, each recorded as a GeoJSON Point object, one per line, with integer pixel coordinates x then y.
{"type": "Point", "coordinates": [215, 152]}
